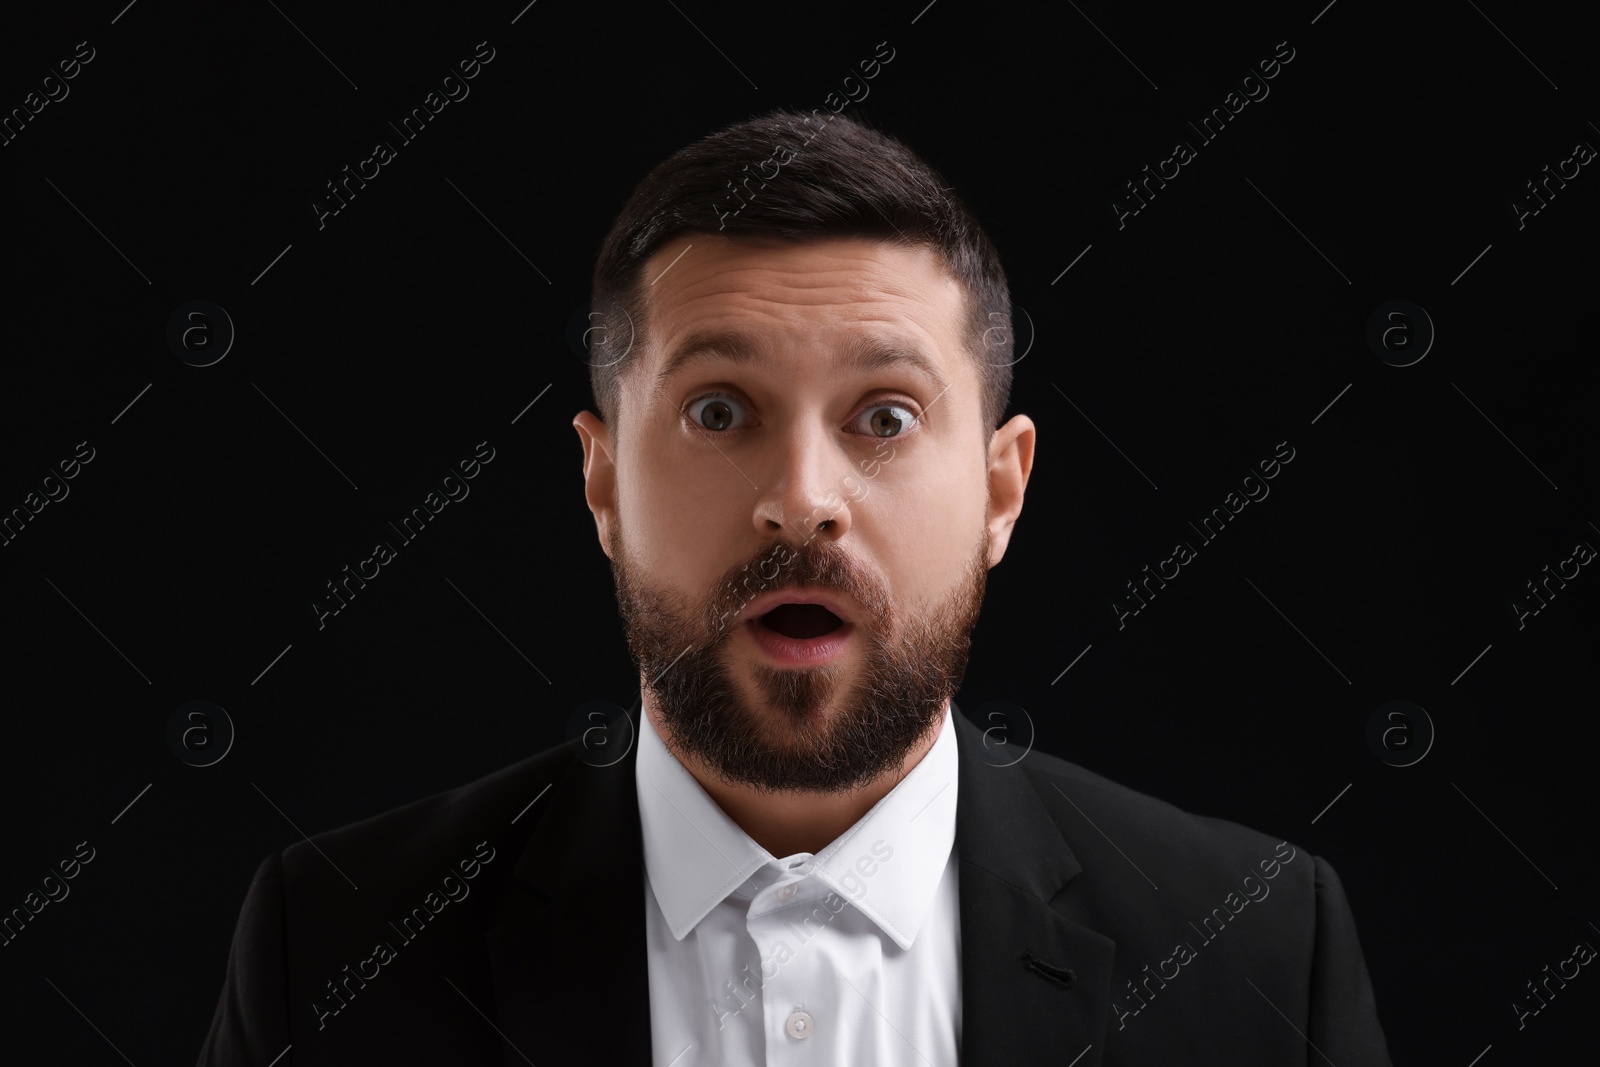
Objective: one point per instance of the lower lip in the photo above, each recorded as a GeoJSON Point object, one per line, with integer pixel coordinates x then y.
{"type": "Point", "coordinates": [800, 651]}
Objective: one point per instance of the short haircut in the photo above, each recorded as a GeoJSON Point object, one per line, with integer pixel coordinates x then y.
{"type": "Point", "coordinates": [835, 177]}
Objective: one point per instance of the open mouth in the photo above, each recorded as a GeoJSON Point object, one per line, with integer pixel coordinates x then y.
{"type": "Point", "coordinates": [800, 621]}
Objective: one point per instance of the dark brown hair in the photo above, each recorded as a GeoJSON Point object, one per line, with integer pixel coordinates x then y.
{"type": "Point", "coordinates": [835, 177]}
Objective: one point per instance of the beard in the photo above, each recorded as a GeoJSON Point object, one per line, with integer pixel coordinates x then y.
{"type": "Point", "coordinates": [914, 663]}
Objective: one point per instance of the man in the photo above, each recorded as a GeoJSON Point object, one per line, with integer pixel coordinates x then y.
{"type": "Point", "coordinates": [800, 852]}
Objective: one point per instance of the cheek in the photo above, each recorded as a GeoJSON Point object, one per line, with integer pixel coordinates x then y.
{"type": "Point", "coordinates": [681, 523]}
{"type": "Point", "coordinates": [923, 532]}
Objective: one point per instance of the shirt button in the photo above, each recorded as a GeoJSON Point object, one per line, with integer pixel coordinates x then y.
{"type": "Point", "coordinates": [787, 892]}
{"type": "Point", "coordinates": [799, 1024]}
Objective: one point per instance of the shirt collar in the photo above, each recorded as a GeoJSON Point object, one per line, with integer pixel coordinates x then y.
{"type": "Point", "coordinates": [696, 856]}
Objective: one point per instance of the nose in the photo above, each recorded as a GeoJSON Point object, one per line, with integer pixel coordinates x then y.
{"type": "Point", "coordinates": [801, 494]}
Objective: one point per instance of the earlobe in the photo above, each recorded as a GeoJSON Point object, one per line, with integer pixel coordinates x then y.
{"type": "Point", "coordinates": [599, 474]}
{"type": "Point", "coordinates": [1010, 464]}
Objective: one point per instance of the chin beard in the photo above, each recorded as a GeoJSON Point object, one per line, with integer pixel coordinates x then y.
{"type": "Point", "coordinates": [811, 729]}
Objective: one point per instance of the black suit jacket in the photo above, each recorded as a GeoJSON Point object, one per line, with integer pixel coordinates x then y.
{"type": "Point", "coordinates": [504, 923]}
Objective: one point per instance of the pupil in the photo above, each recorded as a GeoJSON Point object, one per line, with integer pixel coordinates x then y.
{"type": "Point", "coordinates": [892, 423]}
{"type": "Point", "coordinates": [719, 414]}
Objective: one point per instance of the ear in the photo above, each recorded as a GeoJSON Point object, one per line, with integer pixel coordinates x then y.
{"type": "Point", "coordinates": [1010, 463]}
{"type": "Point", "coordinates": [599, 474]}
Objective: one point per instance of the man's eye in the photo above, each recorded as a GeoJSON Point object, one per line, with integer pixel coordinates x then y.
{"type": "Point", "coordinates": [713, 411]}
{"type": "Point", "coordinates": [888, 420]}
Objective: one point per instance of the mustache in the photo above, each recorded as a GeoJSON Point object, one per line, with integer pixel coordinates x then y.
{"type": "Point", "coordinates": [783, 565]}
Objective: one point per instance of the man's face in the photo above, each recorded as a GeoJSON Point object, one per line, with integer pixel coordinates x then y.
{"type": "Point", "coordinates": [796, 471]}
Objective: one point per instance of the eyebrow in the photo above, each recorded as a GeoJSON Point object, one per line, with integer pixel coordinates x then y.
{"type": "Point", "coordinates": [862, 353]}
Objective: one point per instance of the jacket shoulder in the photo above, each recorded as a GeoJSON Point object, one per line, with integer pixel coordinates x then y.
{"type": "Point", "coordinates": [434, 828]}
{"type": "Point", "coordinates": [1139, 816]}
{"type": "Point", "coordinates": [1137, 847]}
{"type": "Point", "coordinates": [1164, 884]}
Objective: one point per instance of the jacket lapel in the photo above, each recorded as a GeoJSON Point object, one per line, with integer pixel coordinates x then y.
{"type": "Point", "coordinates": [570, 934]}
{"type": "Point", "coordinates": [568, 956]}
{"type": "Point", "coordinates": [1035, 986]}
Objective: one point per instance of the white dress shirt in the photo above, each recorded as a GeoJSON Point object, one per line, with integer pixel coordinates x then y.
{"type": "Point", "coordinates": [849, 956]}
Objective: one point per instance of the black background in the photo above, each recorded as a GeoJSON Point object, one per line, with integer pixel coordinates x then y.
{"type": "Point", "coordinates": [424, 318]}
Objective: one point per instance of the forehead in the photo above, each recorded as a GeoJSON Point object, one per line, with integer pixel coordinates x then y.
{"type": "Point", "coordinates": [788, 294]}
